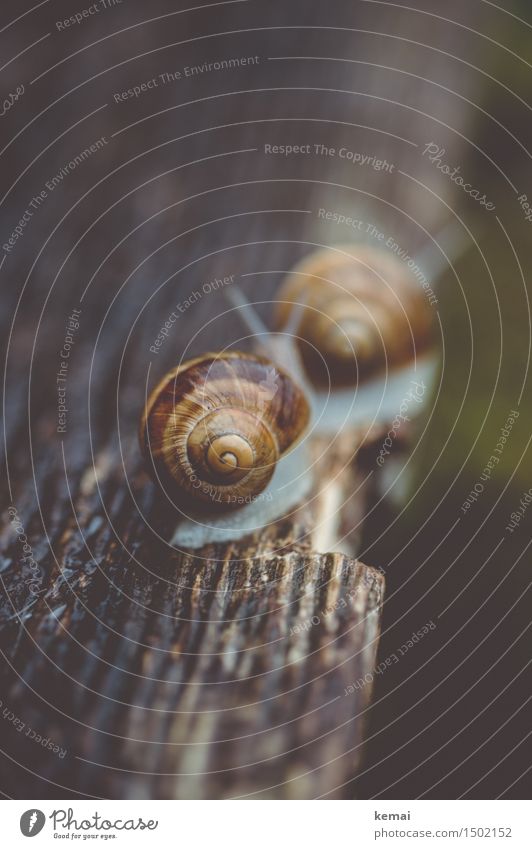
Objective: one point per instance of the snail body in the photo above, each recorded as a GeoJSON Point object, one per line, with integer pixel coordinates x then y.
{"type": "Point", "coordinates": [216, 427]}
{"type": "Point", "coordinates": [364, 313]}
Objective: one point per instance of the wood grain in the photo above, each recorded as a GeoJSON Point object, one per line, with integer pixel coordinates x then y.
{"type": "Point", "coordinates": [208, 674]}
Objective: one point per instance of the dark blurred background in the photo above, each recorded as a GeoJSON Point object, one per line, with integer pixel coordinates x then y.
{"type": "Point", "coordinates": [181, 191]}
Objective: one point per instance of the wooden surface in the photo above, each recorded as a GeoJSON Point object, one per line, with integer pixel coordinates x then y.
{"type": "Point", "coordinates": [216, 674]}
{"type": "Point", "coordinates": [121, 657]}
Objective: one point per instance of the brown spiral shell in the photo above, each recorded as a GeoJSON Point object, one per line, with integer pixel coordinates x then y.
{"type": "Point", "coordinates": [215, 427]}
{"type": "Point", "coordinates": [364, 311]}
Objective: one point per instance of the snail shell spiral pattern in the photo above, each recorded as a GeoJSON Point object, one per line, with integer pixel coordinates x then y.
{"type": "Point", "coordinates": [215, 427]}
{"type": "Point", "coordinates": [364, 312]}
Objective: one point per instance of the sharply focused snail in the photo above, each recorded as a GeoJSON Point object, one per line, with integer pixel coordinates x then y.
{"type": "Point", "coordinates": [214, 434]}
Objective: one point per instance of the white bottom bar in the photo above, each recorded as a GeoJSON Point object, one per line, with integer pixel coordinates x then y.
{"type": "Point", "coordinates": [245, 824]}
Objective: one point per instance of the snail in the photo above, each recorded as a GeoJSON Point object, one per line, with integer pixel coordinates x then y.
{"type": "Point", "coordinates": [363, 325]}
{"type": "Point", "coordinates": [222, 433]}
{"type": "Point", "coordinates": [364, 313]}
{"type": "Point", "coordinates": [215, 433]}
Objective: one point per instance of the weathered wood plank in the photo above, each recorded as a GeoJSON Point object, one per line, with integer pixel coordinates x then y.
{"type": "Point", "coordinates": [213, 673]}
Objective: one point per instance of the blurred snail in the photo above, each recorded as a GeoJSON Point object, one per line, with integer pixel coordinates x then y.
{"type": "Point", "coordinates": [214, 434]}
{"type": "Point", "coordinates": [364, 312]}
{"type": "Point", "coordinates": [362, 323]}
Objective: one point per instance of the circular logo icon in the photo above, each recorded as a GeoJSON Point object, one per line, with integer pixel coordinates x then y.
{"type": "Point", "coordinates": [32, 822]}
